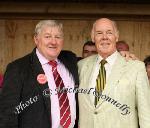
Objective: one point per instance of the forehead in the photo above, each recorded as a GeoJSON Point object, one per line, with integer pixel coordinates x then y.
{"type": "Point", "coordinates": [47, 28]}
{"type": "Point", "coordinates": [122, 45]}
{"type": "Point", "coordinates": [104, 24]}
{"type": "Point", "coordinates": [89, 47]}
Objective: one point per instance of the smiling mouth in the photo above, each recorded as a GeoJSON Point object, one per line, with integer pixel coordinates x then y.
{"type": "Point", "coordinates": [52, 47]}
{"type": "Point", "coordinates": [105, 44]}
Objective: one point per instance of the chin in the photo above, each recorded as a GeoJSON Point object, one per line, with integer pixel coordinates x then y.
{"type": "Point", "coordinates": [52, 55]}
{"type": "Point", "coordinates": [105, 51]}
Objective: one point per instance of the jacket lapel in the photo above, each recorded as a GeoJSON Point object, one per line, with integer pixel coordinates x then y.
{"type": "Point", "coordinates": [118, 70]}
{"type": "Point", "coordinates": [89, 68]}
{"type": "Point", "coordinates": [69, 60]}
{"type": "Point", "coordinates": [37, 69]}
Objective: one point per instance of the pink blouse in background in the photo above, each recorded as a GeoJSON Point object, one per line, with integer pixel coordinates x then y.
{"type": "Point", "coordinates": [1, 80]}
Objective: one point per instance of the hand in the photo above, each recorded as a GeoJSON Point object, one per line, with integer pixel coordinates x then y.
{"type": "Point", "coordinates": [128, 55]}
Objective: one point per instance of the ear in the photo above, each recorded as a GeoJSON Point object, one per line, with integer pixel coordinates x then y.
{"type": "Point", "coordinates": [117, 36]}
{"type": "Point", "coordinates": [92, 36]}
{"type": "Point", "coordinates": [35, 39]}
{"type": "Point", "coordinates": [117, 39]}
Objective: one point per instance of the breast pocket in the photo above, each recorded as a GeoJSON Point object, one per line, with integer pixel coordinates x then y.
{"type": "Point", "coordinates": [124, 89]}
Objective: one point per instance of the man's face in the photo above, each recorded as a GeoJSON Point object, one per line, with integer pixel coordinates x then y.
{"type": "Point", "coordinates": [148, 70]}
{"type": "Point", "coordinates": [89, 50]}
{"type": "Point", "coordinates": [105, 35]}
{"type": "Point", "coordinates": [122, 47]}
{"type": "Point", "coordinates": [49, 42]}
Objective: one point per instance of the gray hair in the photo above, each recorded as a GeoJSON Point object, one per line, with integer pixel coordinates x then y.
{"type": "Point", "coordinates": [49, 23]}
{"type": "Point", "coordinates": [114, 25]}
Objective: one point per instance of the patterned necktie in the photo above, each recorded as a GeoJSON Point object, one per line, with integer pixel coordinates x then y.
{"type": "Point", "coordinates": [65, 117]}
{"type": "Point", "coordinates": [100, 81]}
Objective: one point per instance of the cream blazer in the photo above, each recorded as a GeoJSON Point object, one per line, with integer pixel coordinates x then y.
{"type": "Point", "coordinates": [125, 101]}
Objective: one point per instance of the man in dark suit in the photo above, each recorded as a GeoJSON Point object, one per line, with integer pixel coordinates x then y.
{"type": "Point", "coordinates": [30, 95]}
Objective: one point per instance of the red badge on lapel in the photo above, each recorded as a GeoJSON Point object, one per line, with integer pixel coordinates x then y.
{"type": "Point", "coordinates": [41, 78]}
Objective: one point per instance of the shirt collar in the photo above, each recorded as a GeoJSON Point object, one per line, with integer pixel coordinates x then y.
{"type": "Point", "coordinates": [110, 59]}
{"type": "Point", "coordinates": [42, 59]}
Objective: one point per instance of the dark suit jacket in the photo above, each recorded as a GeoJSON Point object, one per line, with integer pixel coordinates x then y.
{"type": "Point", "coordinates": [21, 85]}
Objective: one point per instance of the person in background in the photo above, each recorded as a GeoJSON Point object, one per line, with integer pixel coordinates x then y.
{"type": "Point", "coordinates": [89, 49]}
{"type": "Point", "coordinates": [122, 46]}
{"type": "Point", "coordinates": [1, 80]}
{"type": "Point", "coordinates": [32, 94]}
{"type": "Point", "coordinates": [147, 65]}
{"type": "Point", "coordinates": [116, 91]}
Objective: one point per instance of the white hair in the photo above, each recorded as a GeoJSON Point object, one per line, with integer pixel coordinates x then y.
{"type": "Point", "coordinates": [49, 23]}
{"type": "Point", "coordinates": [113, 23]}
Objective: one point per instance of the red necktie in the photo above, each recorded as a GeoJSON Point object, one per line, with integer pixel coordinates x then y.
{"type": "Point", "coordinates": [65, 117]}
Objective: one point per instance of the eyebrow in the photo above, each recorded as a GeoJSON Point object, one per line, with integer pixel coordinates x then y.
{"type": "Point", "coordinates": [102, 31]}
{"type": "Point", "coordinates": [51, 34]}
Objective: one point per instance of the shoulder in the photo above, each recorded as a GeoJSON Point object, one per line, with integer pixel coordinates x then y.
{"type": "Point", "coordinates": [65, 54]}
{"type": "Point", "coordinates": [87, 60]}
{"type": "Point", "coordinates": [69, 60]}
{"type": "Point", "coordinates": [22, 60]}
{"type": "Point", "coordinates": [20, 63]}
{"type": "Point", "coordinates": [67, 57]}
{"type": "Point", "coordinates": [16, 69]}
{"type": "Point", "coordinates": [132, 64]}
{"type": "Point", "coordinates": [136, 64]}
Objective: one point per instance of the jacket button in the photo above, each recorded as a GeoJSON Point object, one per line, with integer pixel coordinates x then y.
{"type": "Point", "coordinates": [95, 112]}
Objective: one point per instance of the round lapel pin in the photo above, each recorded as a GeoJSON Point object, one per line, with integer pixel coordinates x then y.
{"type": "Point", "coordinates": [41, 78]}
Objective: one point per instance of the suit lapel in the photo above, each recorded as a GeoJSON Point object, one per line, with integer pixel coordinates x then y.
{"type": "Point", "coordinates": [70, 62]}
{"type": "Point", "coordinates": [89, 68]}
{"type": "Point", "coordinates": [118, 70]}
{"type": "Point", "coordinates": [37, 69]}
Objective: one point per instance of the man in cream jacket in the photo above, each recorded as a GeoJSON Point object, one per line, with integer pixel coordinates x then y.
{"type": "Point", "coordinates": [124, 101]}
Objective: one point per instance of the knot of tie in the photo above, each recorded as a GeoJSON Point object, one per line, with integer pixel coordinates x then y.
{"type": "Point", "coordinates": [53, 63]}
{"type": "Point", "coordinates": [103, 62]}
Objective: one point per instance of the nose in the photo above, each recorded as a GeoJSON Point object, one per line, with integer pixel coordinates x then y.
{"type": "Point", "coordinates": [53, 41]}
{"type": "Point", "coordinates": [105, 36]}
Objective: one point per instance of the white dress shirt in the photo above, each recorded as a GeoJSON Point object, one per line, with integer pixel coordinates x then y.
{"type": "Point", "coordinates": [108, 67]}
{"type": "Point", "coordinates": [68, 83]}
